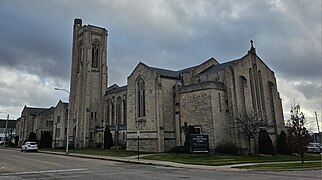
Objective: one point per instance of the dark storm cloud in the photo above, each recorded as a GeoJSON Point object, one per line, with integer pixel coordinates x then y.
{"type": "Point", "coordinates": [32, 42]}
{"type": "Point", "coordinates": [309, 90]}
{"type": "Point", "coordinates": [171, 35]}
{"type": "Point", "coordinates": [224, 31]}
{"type": "Point", "coordinates": [36, 37]}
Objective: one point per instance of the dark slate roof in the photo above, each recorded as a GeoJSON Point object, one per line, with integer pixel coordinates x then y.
{"type": "Point", "coordinates": [117, 89]}
{"type": "Point", "coordinates": [193, 67]}
{"type": "Point", "coordinates": [11, 123]}
{"type": "Point", "coordinates": [64, 103]}
{"type": "Point", "coordinates": [166, 72]}
{"type": "Point", "coordinates": [112, 87]}
{"type": "Point", "coordinates": [220, 67]}
{"type": "Point", "coordinates": [175, 74]}
{"type": "Point", "coordinates": [35, 111]}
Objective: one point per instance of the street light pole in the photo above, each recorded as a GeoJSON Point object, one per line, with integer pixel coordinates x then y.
{"type": "Point", "coordinates": [317, 123]}
{"type": "Point", "coordinates": [67, 133]}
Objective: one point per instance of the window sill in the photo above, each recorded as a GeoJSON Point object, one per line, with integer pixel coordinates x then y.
{"type": "Point", "coordinates": [95, 70]}
{"type": "Point", "coordinates": [141, 119]}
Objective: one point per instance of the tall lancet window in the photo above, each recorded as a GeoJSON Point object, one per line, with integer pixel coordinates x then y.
{"type": "Point", "coordinates": [124, 111]}
{"type": "Point", "coordinates": [108, 112]}
{"type": "Point", "coordinates": [95, 54]}
{"type": "Point", "coordinates": [141, 98]}
{"type": "Point", "coordinates": [243, 90]}
{"type": "Point", "coordinates": [252, 90]}
{"type": "Point", "coordinates": [80, 56]}
{"type": "Point", "coordinates": [118, 110]}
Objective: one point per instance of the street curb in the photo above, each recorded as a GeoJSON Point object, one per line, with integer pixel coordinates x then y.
{"type": "Point", "coordinates": [117, 159]}
{"type": "Point", "coordinates": [109, 159]}
{"type": "Point", "coordinates": [143, 162]}
{"type": "Point", "coordinates": [233, 168]}
{"type": "Point", "coordinates": [226, 168]}
{"type": "Point", "coordinates": [174, 165]}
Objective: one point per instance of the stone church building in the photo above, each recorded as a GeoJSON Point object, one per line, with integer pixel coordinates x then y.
{"type": "Point", "coordinates": [157, 103]}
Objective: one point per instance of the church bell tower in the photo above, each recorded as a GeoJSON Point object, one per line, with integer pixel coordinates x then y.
{"type": "Point", "coordinates": [88, 83]}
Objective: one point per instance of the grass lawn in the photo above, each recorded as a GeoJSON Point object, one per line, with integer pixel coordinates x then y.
{"type": "Point", "coordinates": [102, 152]}
{"type": "Point", "coordinates": [279, 166]}
{"type": "Point", "coordinates": [218, 160]}
{"type": "Point", "coordinates": [210, 159]}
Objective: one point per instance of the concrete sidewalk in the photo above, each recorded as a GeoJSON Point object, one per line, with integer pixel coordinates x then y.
{"type": "Point", "coordinates": [133, 159]}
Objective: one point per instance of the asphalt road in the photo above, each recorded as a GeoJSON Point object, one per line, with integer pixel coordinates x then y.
{"type": "Point", "coordinates": [19, 165]}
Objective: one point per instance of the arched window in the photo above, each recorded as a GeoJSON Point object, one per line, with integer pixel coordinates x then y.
{"type": "Point", "coordinates": [95, 54]}
{"type": "Point", "coordinates": [243, 86]}
{"type": "Point", "coordinates": [141, 98]}
{"type": "Point", "coordinates": [219, 102]}
{"type": "Point", "coordinates": [262, 96]}
{"type": "Point", "coordinates": [112, 113]}
{"type": "Point", "coordinates": [124, 111]}
{"type": "Point", "coordinates": [108, 113]}
{"type": "Point", "coordinates": [118, 110]}
{"type": "Point", "coordinates": [271, 99]}
{"type": "Point", "coordinates": [80, 56]}
{"type": "Point", "coordinates": [252, 91]}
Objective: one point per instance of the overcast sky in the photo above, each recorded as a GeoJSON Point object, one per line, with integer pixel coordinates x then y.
{"type": "Point", "coordinates": [36, 42]}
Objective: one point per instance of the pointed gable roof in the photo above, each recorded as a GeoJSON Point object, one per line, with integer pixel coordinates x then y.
{"type": "Point", "coordinates": [137, 66]}
{"type": "Point", "coordinates": [115, 88]}
{"type": "Point", "coordinates": [166, 72]}
{"type": "Point", "coordinates": [34, 110]}
{"type": "Point", "coordinates": [162, 72]}
{"type": "Point", "coordinates": [63, 103]}
{"type": "Point", "coordinates": [201, 68]}
{"type": "Point", "coordinates": [209, 66]}
{"type": "Point", "coordinates": [110, 88]}
{"type": "Point", "coordinates": [210, 62]}
{"type": "Point", "coordinates": [220, 67]}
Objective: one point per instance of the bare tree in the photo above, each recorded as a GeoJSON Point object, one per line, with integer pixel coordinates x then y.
{"type": "Point", "coordinates": [298, 135]}
{"type": "Point", "coordinates": [248, 124]}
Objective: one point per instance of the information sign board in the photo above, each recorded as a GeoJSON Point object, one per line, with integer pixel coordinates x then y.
{"type": "Point", "coordinates": [198, 143]}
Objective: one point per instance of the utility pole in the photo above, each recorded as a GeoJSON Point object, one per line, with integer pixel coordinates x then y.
{"type": "Point", "coordinates": [317, 123]}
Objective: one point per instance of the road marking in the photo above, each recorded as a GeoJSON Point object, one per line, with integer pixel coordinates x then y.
{"type": "Point", "coordinates": [40, 172]}
{"type": "Point", "coordinates": [286, 175]}
{"type": "Point", "coordinates": [58, 177]}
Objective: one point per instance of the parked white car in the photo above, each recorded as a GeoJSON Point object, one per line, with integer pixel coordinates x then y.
{"type": "Point", "coordinates": [313, 148]}
{"type": "Point", "coordinates": [29, 146]}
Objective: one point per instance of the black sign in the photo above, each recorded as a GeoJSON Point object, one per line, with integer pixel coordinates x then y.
{"type": "Point", "coordinates": [198, 143]}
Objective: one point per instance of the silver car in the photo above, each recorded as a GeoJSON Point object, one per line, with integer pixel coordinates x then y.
{"type": "Point", "coordinates": [29, 146]}
{"type": "Point", "coordinates": [313, 148]}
